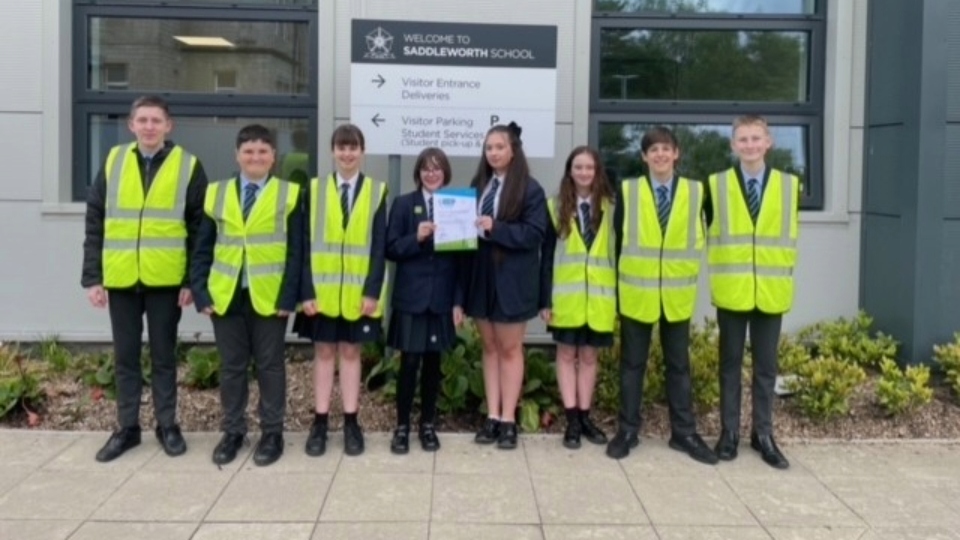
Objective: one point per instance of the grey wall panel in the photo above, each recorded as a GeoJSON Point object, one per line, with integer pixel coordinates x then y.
{"type": "Point", "coordinates": [953, 62]}
{"type": "Point", "coordinates": [888, 166]}
{"type": "Point", "coordinates": [887, 275]}
{"type": "Point", "coordinates": [951, 179]}
{"type": "Point", "coordinates": [886, 57]}
{"type": "Point", "coordinates": [949, 278]}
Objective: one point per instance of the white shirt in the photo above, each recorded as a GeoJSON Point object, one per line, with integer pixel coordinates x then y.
{"type": "Point", "coordinates": [584, 219]}
{"type": "Point", "coordinates": [352, 192]}
{"type": "Point", "coordinates": [496, 198]}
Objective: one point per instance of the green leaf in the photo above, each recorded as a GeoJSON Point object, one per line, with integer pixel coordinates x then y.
{"type": "Point", "coordinates": [530, 417]}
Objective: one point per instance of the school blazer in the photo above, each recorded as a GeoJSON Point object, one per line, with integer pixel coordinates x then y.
{"type": "Point", "coordinates": [426, 281]}
{"type": "Point", "coordinates": [517, 274]}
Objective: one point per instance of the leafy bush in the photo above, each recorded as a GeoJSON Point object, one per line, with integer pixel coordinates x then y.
{"type": "Point", "coordinates": [19, 382]}
{"type": "Point", "coordinates": [705, 365]}
{"type": "Point", "coordinates": [55, 354]}
{"type": "Point", "coordinates": [540, 393]}
{"type": "Point", "coordinates": [899, 391]}
{"type": "Point", "coordinates": [850, 340]}
{"type": "Point", "coordinates": [203, 368]}
{"type": "Point", "coordinates": [792, 355]}
{"type": "Point", "coordinates": [823, 387]}
{"type": "Point", "coordinates": [947, 356]}
{"type": "Point", "coordinates": [98, 372]}
{"type": "Point", "coordinates": [461, 387]}
{"type": "Point", "coordinates": [607, 391]}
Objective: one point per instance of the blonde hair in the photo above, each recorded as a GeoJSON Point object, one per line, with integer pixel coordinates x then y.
{"type": "Point", "coordinates": [750, 120]}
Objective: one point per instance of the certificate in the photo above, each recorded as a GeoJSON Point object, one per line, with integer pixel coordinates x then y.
{"type": "Point", "coordinates": [455, 215]}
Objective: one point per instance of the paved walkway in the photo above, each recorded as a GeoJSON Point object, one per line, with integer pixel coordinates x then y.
{"type": "Point", "coordinates": [52, 489]}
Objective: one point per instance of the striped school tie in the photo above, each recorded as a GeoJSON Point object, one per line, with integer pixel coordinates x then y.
{"type": "Point", "coordinates": [430, 209]}
{"type": "Point", "coordinates": [249, 197]}
{"type": "Point", "coordinates": [585, 229]}
{"type": "Point", "coordinates": [486, 207]}
{"type": "Point", "coordinates": [753, 198]}
{"type": "Point", "coordinates": [345, 203]}
{"type": "Point", "coordinates": [663, 206]}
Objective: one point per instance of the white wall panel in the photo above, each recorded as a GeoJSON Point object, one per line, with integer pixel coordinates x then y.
{"type": "Point", "coordinates": [21, 57]}
{"type": "Point", "coordinates": [21, 154]}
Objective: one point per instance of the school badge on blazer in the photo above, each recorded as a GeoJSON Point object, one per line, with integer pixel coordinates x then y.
{"type": "Point", "coordinates": [418, 210]}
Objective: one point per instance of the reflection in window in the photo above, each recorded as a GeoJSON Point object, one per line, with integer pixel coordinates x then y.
{"type": "Point", "coordinates": [212, 140]}
{"type": "Point", "coordinates": [715, 65]}
{"type": "Point", "coordinates": [747, 7]}
{"type": "Point", "coordinates": [187, 55]}
{"type": "Point", "coordinates": [113, 77]}
{"type": "Point", "coordinates": [704, 149]}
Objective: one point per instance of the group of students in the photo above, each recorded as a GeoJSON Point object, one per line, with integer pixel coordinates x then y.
{"type": "Point", "coordinates": [253, 250]}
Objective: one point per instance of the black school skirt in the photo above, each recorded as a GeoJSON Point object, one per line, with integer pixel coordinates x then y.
{"type": "Point", "coordinates": [582, 337]}
{"type": "Point", "coordinates": [323, 329]}
{"type": "Point", "coordinates": [421, 332]}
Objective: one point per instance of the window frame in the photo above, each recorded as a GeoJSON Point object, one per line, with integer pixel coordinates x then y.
{"type": "Point", "coordinates": [86, 101]}
{"type": "Point", "coordinates": [809, 114]}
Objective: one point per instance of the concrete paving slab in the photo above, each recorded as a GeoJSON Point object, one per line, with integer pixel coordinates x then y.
{"type": "Point", "coordinates": [372, 531]}
{"type": "Point", "coordinates": [37, 530]}
{"type": "Point", "coordinates": [199, 456]}
{"type": "Point", "coordinates": [899, 533]}
{"type": "Point", "coordinates": [691, 501]}
{"type": "Point", "coordinates": [749, 463]}
{"type": "Point", "coordinates": [164, 496]}
{"type": "Point", "coordinates": [377, 457]}
{"type": "Point", "coordinates": [31, 449]}
{"type": "Point", "coordinates": [844, 460]}
{"type": "Point", "coordinates": [712, 533]}
{"type": "Point", "coordinates": [892, 503]}
{"type": "Point", "coordinates": [792, 500]}
{"type": "Point", "coordinates": [81, 456]}
{"type": "Point", "coordinates": [598, 532]}
{"type": "Point", "coordinates": [654, 458]}
{"type": "Point", "coordinates": [378, 497]}
{"type": "Point", "coordinates": [450, 531]}
{"type": "Point", "coordinates": [815, 533]}
{"type": "Point", "coordinates": [11, 476]}
{"type": "Point", "coordinates": [484, 499]}
{"type": "Point", "coordinates": [924, 461]}
{"type": "Point", "coordinates": [254, 531]}
{"type": "Point", "coordinates": [460, 455]}
{"type": "Point", "coordinates": [103, 530]}
{"type": "Point", "coordinates": [59, 494]}
{"type": "Point", "coordinates": [546, 456]}
{"type": "Point", "coordinates": [272, 497]}
{"type": "Point", "coordinates": [601, 499]}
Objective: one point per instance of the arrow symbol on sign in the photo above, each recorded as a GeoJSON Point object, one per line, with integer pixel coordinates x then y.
{"type": "Point", "coordinates": [377, 120]}
{"type": "Point", "coordinates": [379, 80]}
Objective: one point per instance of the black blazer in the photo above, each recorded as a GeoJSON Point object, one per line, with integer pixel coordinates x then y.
{"type": "Point", "coordinates": [517, 274]}
{"type": "Point", "coordinates": [203, 259]}
{"type": "Point", "coordinates": [426, 281]}
{"type": "Point", "coordinates": [378, 239]}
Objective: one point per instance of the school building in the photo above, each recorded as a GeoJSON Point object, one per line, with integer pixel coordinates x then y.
{"type": "Point", "coordinates": [863, 97]}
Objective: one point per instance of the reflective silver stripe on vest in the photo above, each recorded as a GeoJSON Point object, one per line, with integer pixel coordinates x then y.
{"type": "Point", "coordinates": [580, 288]}
{"type": "Point", "coordinates": [632, 246]}
{"type": "Point", "coordinates": [787, 193]}
{"type": "Point", "coordinates": [150, 243]}
{"type": "Point", "coordinates": [326, 249]}
{"type": "Point", "coordinates": [334, 279]}
{"type": "Point", "coordinates": [179, 205]}
{"type": "Point", "coordinates": [224, 268]}
{"type": "Point", "coordinates": [265, 269]}
{"type": "Point", "coordinates": [663, 282]}
{"type": "Point", "coordinates": [768, 271]}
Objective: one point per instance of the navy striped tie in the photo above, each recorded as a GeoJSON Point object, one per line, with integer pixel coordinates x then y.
{"type": "Point", "coordinates": [753, 198]}
{"type": "Point", "coordinates": [585, 229]}
{"type": "Point", "coordinates": [430, 209]}
{"type": "Point", "coordinates": [663, 206]}
{"type": "Point", "coordinates": [249, 197]}
{"type": "Point", "coordinates": [345, 203]}
{"type": "Point", "coordinates": [486, 208]}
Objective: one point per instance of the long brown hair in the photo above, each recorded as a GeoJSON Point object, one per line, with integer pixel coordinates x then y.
{"type": "Point", "coordinates": [517, 177]}
{"type": "Point", "coordinates": [600, 191]}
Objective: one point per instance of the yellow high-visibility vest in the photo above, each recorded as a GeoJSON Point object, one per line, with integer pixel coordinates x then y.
{"type": "Point", "coordinates": [257, 246]}
{"type": "Point", "coordinates": [751, 266]}
{"type": "Point", "coordinates": [584, 282]}
{"type": "Point", "coordinates": [145, 237]}
{"type": "Point", "coordinates": [660, 268]}
{"type": "Point", "coordinates": [340, 257]}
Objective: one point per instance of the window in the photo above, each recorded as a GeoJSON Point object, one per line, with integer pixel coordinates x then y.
{"type": "Point", "coordinates": [219, 69]}
{"type": "Point", "coordinates": [693, 65]}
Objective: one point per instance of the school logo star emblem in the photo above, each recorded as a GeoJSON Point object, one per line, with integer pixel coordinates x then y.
{"type": "Point", "coordinates": [379, 45]}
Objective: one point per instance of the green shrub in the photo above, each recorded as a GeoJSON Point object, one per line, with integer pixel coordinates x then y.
{"type": "Point", "coordinates": [850, 340]}
{"type": "Point", "coordinates": [19, 382]}
{"type": "Point", "coordinates": [540, 393]}
{"type": "Point", "coordinates": [98, 372]}
{"type": "Point", "coordinates": [900, 391]}
{"type": "Point", "coordinates": [55, 354]}
{"type": "Point", "coordinates": [203, 368]}
{"type": "Point", "coordinates": [947, 356]}
{"type": "Point", "coordinates": [823, 387]}
{"type": "Point", "coordinates": [705, 365]}
{"type": "Point", "coordinates": [792, 355]}
{"type": "Point", "coordinates": [461, 388]}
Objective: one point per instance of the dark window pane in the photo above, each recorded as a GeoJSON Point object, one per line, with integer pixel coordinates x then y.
{"type": "Point", "coordinates": [715, 65]}
{"type": "Point", "coordinates": [747, 7]}
{"type": "Point", "coordinates": [191, 55]}
{"type": "Point", "coordinates": [704, 149]}
{"type": "Point", "coordinates": [212, 140]}
{"type": "Point", "coordinates": [251, 3]}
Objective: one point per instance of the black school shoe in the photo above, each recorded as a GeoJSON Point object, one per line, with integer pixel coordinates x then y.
{"type": "Point", "coordinates": [119, 442]}
{"type": "Point", "coordinates": [269, 449]}
{"type": "Point", "coordinates": [227, 448]}
{"type": "Point", "coordinates": [171, 439]}
{"type": "Point", "coordinates": [571, 437]}
{"type": "Point", "coordinates": [317, 439]}
{"type": "Point", "coordinates": [400, 444]}
{"type": "Point", "coordinates": [591, 432]}
{"type": "Point", "coordinates": [489, 433]}
{"type": "Point", "coordinates": [352, 439]}
{"type": "Point", "coordinates": [508, 436]}
{"type": "Point", "coordinates": [428, 438]}
{"type": "Point", "coordinates": [619, 447]}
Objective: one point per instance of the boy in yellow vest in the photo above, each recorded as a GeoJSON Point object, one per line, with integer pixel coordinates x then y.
{"type": "Point", "coordinates": [144, 209]}
{"type": "Point", "coordinates": [246, 276]}
{"type": "Point", "coordinates": [752, 250]}
{"type": "Point", "coordinates": [660, 227]}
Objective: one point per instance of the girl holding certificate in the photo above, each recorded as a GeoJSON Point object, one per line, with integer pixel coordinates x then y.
{"type": "Point", "coordinates": [505, 284]}
{"type": "Point", "coordinates": [579, 286]}
{"type": "Point", "coordinates": [343, 293]}
{"type": "Point", "coordinates": [426, 299]}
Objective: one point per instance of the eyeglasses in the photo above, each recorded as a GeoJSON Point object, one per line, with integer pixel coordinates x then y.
{"type": "Point", "coordinates": [424, 172]}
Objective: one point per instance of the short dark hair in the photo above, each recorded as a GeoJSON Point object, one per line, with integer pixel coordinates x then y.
{"type": "Point", "coordinates": [428, 159]}
{"type": "Point", "coordinates": [347, 135]}
{"type": "Point", "coordinates": [658, 134]}
{"type": "Point", "coordinates": [255, 132]}
{"type": "Point", "coordinates": [150, 101]}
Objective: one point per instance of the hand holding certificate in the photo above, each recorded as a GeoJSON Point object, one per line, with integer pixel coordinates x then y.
{"type": "Point", "coordinates": [455, 215]}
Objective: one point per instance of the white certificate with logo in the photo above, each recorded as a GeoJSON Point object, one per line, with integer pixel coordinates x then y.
{"type": "Point", "coordinates": [455, 215]}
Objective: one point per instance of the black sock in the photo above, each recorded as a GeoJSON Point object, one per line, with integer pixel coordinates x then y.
{"type": "Point", "coordinates": [584, 414]}
{"type": "Point", "coordinates": [320, 418]}
{"type": "Point", "coordinates": [350, 418]}
{"type": "Point", "coordinates": [573, 415]}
